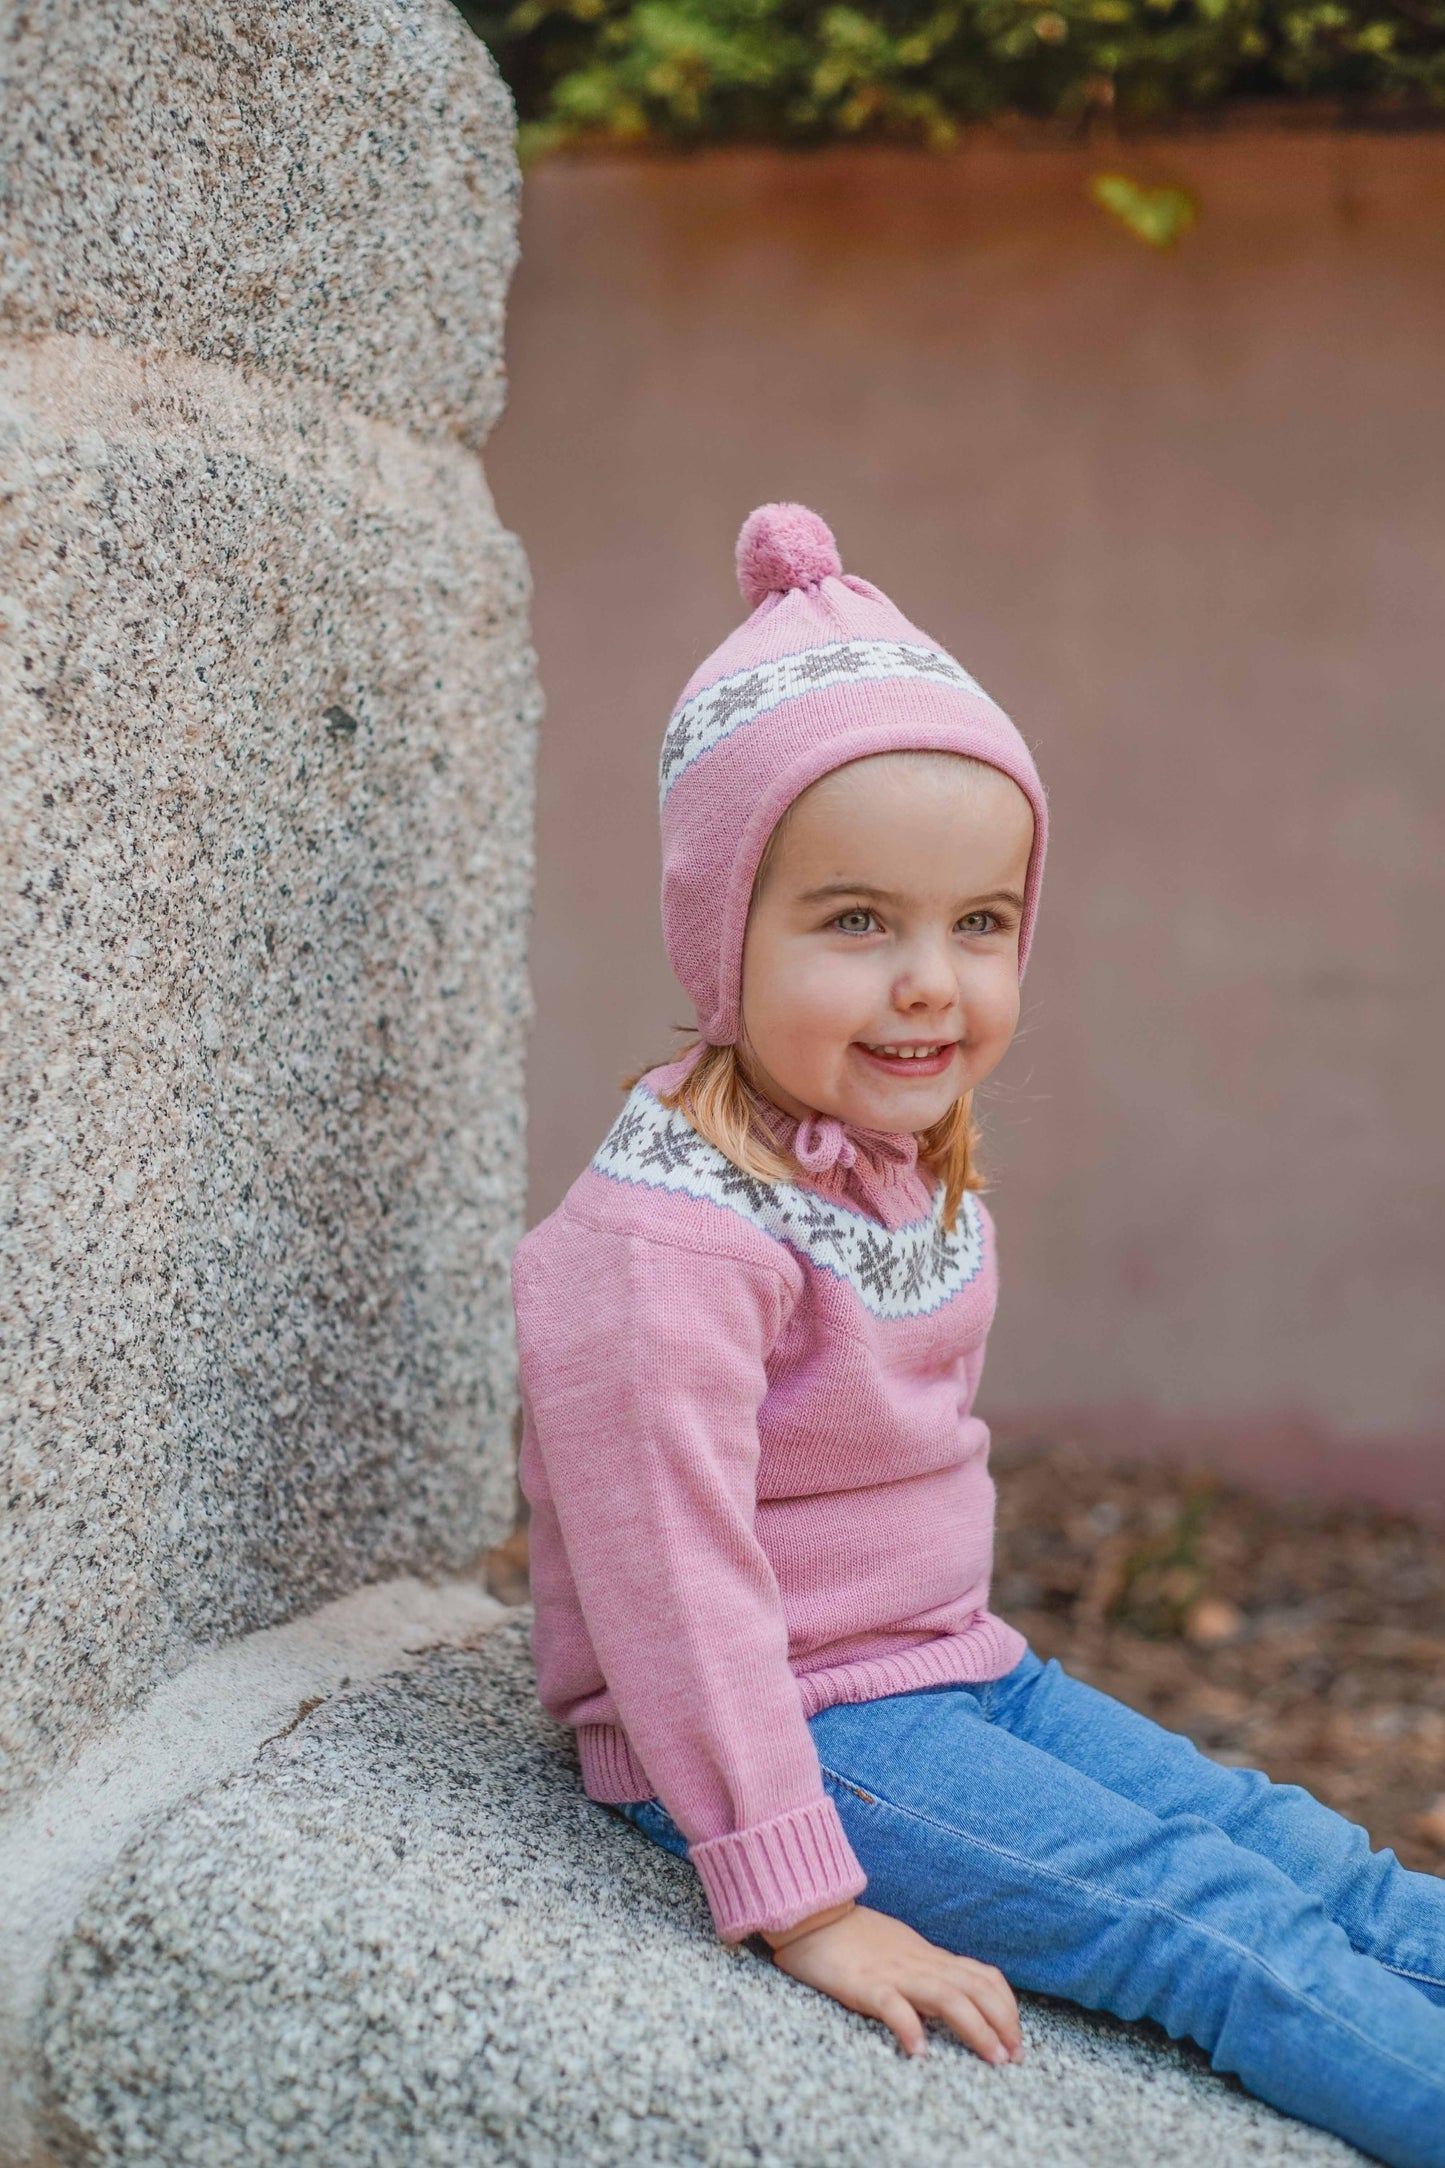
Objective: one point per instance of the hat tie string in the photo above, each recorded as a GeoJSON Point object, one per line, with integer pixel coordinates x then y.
{"type": "Point", "coordinates": [822, 1144]}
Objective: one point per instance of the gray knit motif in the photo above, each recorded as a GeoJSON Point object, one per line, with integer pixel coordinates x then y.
{"type": "Point", "coordinates": [894, 1271]}
{"type": "Point", "coordinates": [732, 702]}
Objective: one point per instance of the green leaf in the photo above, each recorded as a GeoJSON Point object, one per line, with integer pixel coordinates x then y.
{"type": "Point", "coordinates": [1157, 216]}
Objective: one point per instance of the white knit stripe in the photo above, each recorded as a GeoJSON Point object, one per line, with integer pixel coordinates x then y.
{"type": "Point", "coordinates": [734, 701]}
{"type": "Point", "coordinates": [894, 1271]}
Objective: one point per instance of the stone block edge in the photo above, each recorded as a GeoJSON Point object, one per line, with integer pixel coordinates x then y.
{"type": "Point", "coordinates": [209, 1721]}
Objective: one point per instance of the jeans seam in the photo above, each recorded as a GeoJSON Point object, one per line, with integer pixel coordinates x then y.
{"type": "Point", "coordinates": [1153, 1904]}
{"type": "Point", "coordinates": [1403, 1972]}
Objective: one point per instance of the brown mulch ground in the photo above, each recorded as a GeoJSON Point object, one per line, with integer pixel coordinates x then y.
{"type": "Point", "coordinates": [1307, 1643]}
{"type": "Point", "coordinates": [1304, 1642]}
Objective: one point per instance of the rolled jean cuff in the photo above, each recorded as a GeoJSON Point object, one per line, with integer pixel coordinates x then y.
{"type": "Point", "coordinates": [779, 1872]}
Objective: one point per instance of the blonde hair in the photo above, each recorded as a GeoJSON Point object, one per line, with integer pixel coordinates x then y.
{"type": "Point", "coordinates": [717, 1097]}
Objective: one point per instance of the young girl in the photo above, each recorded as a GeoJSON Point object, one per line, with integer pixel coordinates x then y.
{"type": "Point", "coordinates": [751, 1336]}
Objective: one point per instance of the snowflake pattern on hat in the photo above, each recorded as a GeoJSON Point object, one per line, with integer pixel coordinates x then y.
{"type": "Point", "coordinates": [734, 701]}
{"type": "Point", "coordinates": [895, 1272]}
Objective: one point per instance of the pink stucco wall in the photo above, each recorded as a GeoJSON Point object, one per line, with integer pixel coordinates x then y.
{"type": "Point", "coordinates": [1185, 517]}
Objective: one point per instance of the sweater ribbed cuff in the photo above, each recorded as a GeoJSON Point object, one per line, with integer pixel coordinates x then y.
{"type": "Point", "coordinates": [610, 1770]}
{"type": "Point", "coordinates": [779, 1872]}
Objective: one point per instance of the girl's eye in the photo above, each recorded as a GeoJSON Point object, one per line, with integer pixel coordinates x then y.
{"type": "Point", "coordinates": [849, 921]}
{"type": "Point", "coordinates": [978, 922]}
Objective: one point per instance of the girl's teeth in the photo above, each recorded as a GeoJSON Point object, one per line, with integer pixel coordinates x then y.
{"type": "Point", "coordinates": [907, 1053]}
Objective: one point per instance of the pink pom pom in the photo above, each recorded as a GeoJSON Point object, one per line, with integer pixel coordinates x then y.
{"type": "Point", "coordinates": [783, 546]}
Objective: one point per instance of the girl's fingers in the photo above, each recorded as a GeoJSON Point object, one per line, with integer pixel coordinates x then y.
{"type": "Point", "coordinates": [957, 2008]}
{"type": "Point", "coordinates": [991, 1991]}
{"type": "Point", "coordinates": [899, 2015]}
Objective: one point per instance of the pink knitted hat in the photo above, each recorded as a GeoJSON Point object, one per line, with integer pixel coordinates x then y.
{"type": "Point", "coordinates": [824, 671]}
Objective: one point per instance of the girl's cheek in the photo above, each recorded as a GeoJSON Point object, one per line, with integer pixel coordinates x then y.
{"type": "Point", "coordinates": [834, 993]}
{"type": "Point", "coordinates": [991, 1005]}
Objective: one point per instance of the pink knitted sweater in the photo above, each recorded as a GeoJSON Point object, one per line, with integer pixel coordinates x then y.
{"type": "Point", "coordinates": [757, 1484]}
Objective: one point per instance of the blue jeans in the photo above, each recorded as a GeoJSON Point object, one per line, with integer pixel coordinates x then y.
{"type": "Point", "coordinates": [1036, 1824]}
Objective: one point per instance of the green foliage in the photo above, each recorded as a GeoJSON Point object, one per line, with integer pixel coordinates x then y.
{"type": "Point", "coordinates": [1157, 216]}
{"type": "Point", "coordinates": [787, 70]}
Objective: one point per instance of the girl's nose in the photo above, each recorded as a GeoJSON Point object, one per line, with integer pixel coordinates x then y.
{"type": "Point", "coordinates": [927, 980]}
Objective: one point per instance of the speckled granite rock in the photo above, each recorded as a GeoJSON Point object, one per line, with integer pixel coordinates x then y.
{"type": "Point", "coordinates": [265, 785]}
{"type": "Point", "coordinates": [321, 188]}
{"type": "Point", "coordinates": [405, 1936]}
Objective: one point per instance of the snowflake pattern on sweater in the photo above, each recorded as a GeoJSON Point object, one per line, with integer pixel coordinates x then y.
{"type": "Point", "coordinates": [895, 1272]}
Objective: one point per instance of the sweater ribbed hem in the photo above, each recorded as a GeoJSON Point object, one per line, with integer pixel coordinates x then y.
{"type": "Point", "coordinates": [611, 1772]}
{"type": "Point", "coordinates": [778, 1872]}
{"type": "Point", "coordinates": [988, 1650]}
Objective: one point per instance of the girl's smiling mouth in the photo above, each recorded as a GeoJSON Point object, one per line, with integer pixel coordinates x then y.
{"type": "Point", "coordinates": [909, 1057]}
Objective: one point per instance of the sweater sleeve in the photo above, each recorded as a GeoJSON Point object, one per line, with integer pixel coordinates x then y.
{"type": "Point", "coordinates": [643, 1375]}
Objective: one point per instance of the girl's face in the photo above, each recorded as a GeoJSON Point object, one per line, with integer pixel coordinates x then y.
{"type": "Point", "coordinates": [880, 967]}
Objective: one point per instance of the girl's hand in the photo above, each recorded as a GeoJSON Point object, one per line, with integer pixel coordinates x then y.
{"type": "Point", "coordinates": [872, 1963]}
